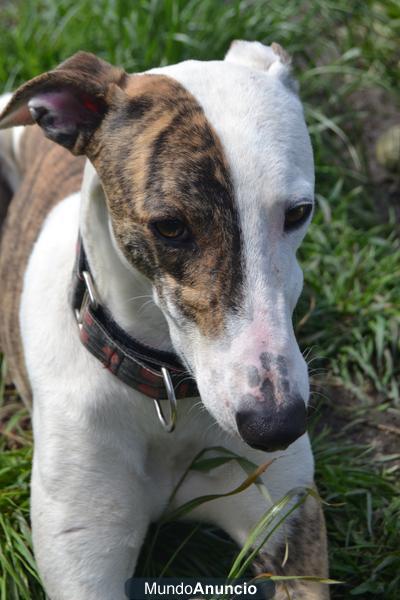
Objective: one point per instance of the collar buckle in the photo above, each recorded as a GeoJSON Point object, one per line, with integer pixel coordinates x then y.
{"type": "Point", "coordinates": [89, 298]}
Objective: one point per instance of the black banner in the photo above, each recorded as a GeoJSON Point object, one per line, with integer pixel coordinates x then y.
{"type": "Point", "coordinates": [168, 588]}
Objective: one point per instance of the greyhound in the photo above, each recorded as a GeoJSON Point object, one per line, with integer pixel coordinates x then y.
{"type": "Point", "coordinates": [148, 260]}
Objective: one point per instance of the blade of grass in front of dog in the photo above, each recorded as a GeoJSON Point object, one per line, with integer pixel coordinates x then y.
{"type": "Point", "coordinates": [195, 460]}
{"type": "Point", "coordinates": [324, 580]}
{"type": "Point", "coordinates": [192, 504]}
{"type": "Point", "coordinates": [267, 520]}
{"type": "Point", "coordinates": [178, 550]}
{"type": "Point", "coordinates": [252, 545]}
{"type": "Point", "coordinates": [239, 569]}
{"type": "Point", "coordinates": [208, 464]}
{"type": "Point", "coordinates": [198, 463]}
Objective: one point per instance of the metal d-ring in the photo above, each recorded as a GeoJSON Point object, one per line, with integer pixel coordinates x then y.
{"type": "Point", "coordinates": [91, 290]}
{"type": "Point", "coordinates": [89, 297]}
{"type": "Point", "coordinates": [169, 423]}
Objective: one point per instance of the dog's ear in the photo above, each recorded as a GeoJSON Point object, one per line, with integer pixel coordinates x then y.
{"type": "Point", "coordinates": [272, 59]}
{"type": "Point", "coordinates": [69, 102]}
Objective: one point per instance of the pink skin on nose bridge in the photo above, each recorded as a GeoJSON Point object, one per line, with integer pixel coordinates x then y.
{"type": "Point", "coordinates": [261, 370]}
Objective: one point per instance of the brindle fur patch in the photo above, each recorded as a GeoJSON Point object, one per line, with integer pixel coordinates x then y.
{"type": "Point", "coordinates": [50, 173]}
{"type": "Point", "coordinates": [159, 158]}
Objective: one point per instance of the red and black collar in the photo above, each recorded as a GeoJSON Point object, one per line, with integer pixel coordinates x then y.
{"type": "Point", "coordinates": [138, 365]}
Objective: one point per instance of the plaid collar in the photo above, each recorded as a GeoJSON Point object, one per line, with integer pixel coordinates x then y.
{"type": "Point", "coordinates": [136, 364]}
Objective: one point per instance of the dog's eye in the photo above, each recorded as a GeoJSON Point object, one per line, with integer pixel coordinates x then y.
{"type": "Point", "coordinates": [296, 216]}
{"type": "Point", "coordinates": [171, 229]}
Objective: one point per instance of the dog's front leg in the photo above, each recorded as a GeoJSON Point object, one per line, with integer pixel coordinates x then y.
{"type": "Point", "coordinates": [89, 514]}
{"type": "Point", "coordinates": [303, 552]}
{"type": "Point", "coordinates": [297, 548]}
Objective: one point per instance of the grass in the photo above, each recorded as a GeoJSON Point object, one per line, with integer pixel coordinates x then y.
{"type": "Point", "coordinates": [349, 315]}
{"type": "Point", "coordinates": [362, 518]}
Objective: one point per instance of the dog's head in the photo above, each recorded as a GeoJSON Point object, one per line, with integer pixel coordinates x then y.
{"type": "Point", "coordinates": [208, 173]}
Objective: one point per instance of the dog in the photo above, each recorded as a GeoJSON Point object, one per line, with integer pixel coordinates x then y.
{"type": "Point", "coordinates": [148, 259]}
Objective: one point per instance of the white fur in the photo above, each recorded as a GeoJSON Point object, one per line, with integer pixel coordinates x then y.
{"type": "Point", "coordinates": [257, 56]}
{"type": "Point", "coordinates": [9, 149]}
{"type": "Point", "coordinates": [103, 468]}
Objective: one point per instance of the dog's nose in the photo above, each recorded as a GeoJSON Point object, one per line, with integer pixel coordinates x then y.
{"type": "Point", "coordinates": [272, 428]}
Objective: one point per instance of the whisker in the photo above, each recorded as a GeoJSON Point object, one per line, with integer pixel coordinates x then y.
{"type": "Point", "coordinates": [319, 394]}
{"type": "Point", "coordinates": [145, 305]}
{"type": "Point", "coordinates": [318, 372]}
{"type": "Point", "coordinates": [139, 297]}
{"type": "Point", "coordinates": [314, 358]}
{"type": "Point", "coordinates": [210, 427]}
{"type": "Point", "coordinates": [307, 351]}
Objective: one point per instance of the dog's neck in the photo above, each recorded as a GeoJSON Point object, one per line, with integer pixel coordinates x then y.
{"type": "Point", "coordinates": [122, 288]}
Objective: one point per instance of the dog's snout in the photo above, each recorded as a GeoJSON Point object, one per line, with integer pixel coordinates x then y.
{"type": "Point", "coordinates": [269, 427]}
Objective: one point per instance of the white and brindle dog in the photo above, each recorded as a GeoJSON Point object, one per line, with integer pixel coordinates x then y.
{"type": "Point", "coordinates": [196, 193]}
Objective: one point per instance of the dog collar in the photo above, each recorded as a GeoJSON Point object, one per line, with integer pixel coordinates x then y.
{"type": "Point", "coordinates": [155, 373]}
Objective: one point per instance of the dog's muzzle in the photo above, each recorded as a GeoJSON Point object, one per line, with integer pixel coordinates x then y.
{"type": "Point", "coordinates": [270, 427]}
